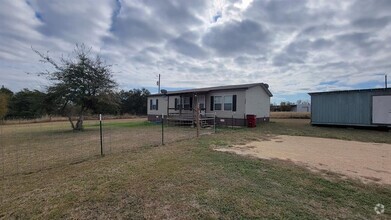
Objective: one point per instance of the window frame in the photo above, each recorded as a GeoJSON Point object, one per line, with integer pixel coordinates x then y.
{"type": "Point", "coordinates": [230, 103]}
{"type": "Point", "coordinates": [153, 106]}
{"type": "Point", "coordinates": [186, 104]}
{"type": "Point", "coordinates": [220, 103]}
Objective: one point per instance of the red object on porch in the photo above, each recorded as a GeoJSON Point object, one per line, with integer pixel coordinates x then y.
{"type": "Point", "coordinates": [251, 121]}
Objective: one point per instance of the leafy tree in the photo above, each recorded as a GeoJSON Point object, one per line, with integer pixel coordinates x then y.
{"type": "Point", "coordinates": [27, 104]}
{"type": "Point", "coordinates": [109, 105]}
{"type": "Point", "coordinates": [5, 95]}
{"type": "Point", "coordinates": [286, 106]}
{"type": "Point", "coordinates": [134, 101]}
{"type": "Point", "coordinates": [3, 105]}
{"type": "Point", "coordinates": [6, 91]}
{"type": "Point", "coordinates": [79, 85]}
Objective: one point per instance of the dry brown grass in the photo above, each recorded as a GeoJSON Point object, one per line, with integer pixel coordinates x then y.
{"type": "Point", "coordinates": [299, 115]}
{"type": "Point", "coordinates": [45, 119]}
{"type": "Point", "coordinates": [27, 148]}
{"type": "Point", "coordinates": [188, 180]}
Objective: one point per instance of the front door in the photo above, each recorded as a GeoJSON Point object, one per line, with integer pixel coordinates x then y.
{"type": "Point", "coordinates": [201, 104]}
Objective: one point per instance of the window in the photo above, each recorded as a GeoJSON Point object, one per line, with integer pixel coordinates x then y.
{"type": "Point", "coordinates": [228, 103]}
{"type": "Point", "coordinates": [153, 104]}
{"type": "Point", "coordinates": [187, 103]}
{"type": "Point", "coordinates": [177, 104]}
{"type": "Point", "coordinates": [217, 102]}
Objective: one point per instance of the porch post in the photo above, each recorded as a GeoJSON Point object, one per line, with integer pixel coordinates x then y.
{"type": "Point", "coordinates": [168, 105]}
{"type": "Point", "coordinates": [180, 105]}
{"type": "Point", "coordinates": [197, 114]}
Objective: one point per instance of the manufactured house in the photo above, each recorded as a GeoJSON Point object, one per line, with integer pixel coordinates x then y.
{"type": "Point", "coordinates": [365, 107]}
{"type": "Point", "coordinates": [229, 104]}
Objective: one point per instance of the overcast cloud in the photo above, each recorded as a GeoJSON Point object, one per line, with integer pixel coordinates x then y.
{"type": "Point", "coordinates": [294, 46]}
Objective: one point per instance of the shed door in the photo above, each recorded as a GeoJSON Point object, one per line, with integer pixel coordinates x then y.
{"type": "Point", "coordinates": [381, 109]}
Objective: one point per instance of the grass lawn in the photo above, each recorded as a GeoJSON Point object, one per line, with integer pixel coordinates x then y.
{"type": "Point", "coordinates": [302, 127]}
{"type": "Point", "coordinates": [188, 180]}
{"type": "Point", "coordinates": [26, 148]}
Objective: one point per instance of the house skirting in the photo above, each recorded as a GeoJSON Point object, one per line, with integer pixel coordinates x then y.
{"type": "Point", "coordinates": [262, 120]}
{"type": "Point", "coordinates": [155, 118]}
{"type": "Point", "coordinates": [238, 121]}
{"type": "Point", "coordinates": [219, 121]}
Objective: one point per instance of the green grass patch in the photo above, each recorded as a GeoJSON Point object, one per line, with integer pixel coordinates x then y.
{"type": "Point", "coordinates": [123, 124]}
{"type": "Point", "coordinates": [302, 127]}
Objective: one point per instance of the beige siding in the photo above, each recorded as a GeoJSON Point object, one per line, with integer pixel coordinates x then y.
{"type": "Point", "coordinates": [162, 105]}
{"type": "Point", "coordinates": [172, 103]}
{"type": "Point", "coordinates": [258, 102]}
{"type": "Point", "coordinates": [240, 103]}
{"type": "Point", "coordinates": [251, 101]}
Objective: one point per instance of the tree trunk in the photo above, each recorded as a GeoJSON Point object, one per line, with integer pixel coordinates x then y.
{"type": "Point", "coordinates": [79, 124]}
{"type": "Point", "coordinates": [70, 121]}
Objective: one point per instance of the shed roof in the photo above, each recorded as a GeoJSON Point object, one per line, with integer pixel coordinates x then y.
{"type": "Point", "coordinates": [354, 90]}
{"type": "Point", "coordinates": [209, 89]}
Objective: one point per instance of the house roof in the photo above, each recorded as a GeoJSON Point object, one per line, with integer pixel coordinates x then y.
{"type": "Point", "coordinates": [355, 90]}
{"type": "Point", "coordinates": [209, 89]}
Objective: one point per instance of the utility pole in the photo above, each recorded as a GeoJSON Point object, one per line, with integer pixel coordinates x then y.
{"type": "Point", "coordinates": [385, 81]}
{"type": "Point", "coordinates": [158, 83]}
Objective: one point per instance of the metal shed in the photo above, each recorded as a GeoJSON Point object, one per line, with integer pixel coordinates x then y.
{"type": "Point", "coordinates": [365, 107]}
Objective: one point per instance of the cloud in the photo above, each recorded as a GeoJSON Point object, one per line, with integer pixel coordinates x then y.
{"type": "Point", "coordinates": [187, 44]}
{"type": "Point", "coordinates": [294, 46]}
{"type": "Point", "coordinates": [133, 28]}
{"type": "Point", "coordinates": [237, 37]}
{"type": "Point", "coordinates": [372, 23]}
{"type": "Point", "coordinates": [75, 21]}
{"type": "Point", "coordinates": [179, 15]}
{"type": "Point", "coordinates": [187, 48]}
{"type": "Point", "coordinates": [18, 30]}
{"type": "Point", "coordinates": [285, 13]}
{"type": "Point", "coordinates": [368, 8]}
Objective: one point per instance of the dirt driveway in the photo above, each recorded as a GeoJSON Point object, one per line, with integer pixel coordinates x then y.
{"type": "Point", "coordinates": [370, 162]}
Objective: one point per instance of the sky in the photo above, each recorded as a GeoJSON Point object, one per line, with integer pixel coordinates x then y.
{"type": "Point", "coordinates": [294, 46]}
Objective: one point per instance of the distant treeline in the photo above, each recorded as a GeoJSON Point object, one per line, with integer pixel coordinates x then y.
{"type": "Point", "coordinates": [282, 107]}
{"type": "Point", "coordinates": [29, 104]}
{"type": "Point", "coordinates": [287, 106]}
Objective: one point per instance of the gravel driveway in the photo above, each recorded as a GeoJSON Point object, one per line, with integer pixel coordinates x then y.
{"type": "Point", "coordinates": [370, 162]}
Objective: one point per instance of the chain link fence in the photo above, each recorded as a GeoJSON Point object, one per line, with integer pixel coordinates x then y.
{"type": "Point", "coordinates": [31, 147]}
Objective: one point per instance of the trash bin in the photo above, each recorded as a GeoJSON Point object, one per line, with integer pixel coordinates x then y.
{"type": "Point", "coordinates": [251, 121]}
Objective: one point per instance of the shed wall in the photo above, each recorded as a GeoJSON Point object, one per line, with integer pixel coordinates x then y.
{"type": "Point", "coordinates": [344, 108]}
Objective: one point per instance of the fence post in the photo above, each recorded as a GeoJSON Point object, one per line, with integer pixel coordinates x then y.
{"type": "Point", "coordinates": [214, 122]}
{"type": "Point", "coordinates": [101, 135]}
{"type": "Point", "coordinates": [198, 119]}
{"type": "Point", "coordinates": [162, 129]}
{"type": "Point", "coordinates": [232, 121]}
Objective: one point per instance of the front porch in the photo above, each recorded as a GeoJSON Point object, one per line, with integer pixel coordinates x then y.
{"type": "Point", "coordinates": [185, 109]}
{"type": "Point", "coordinates": [190, 120]}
